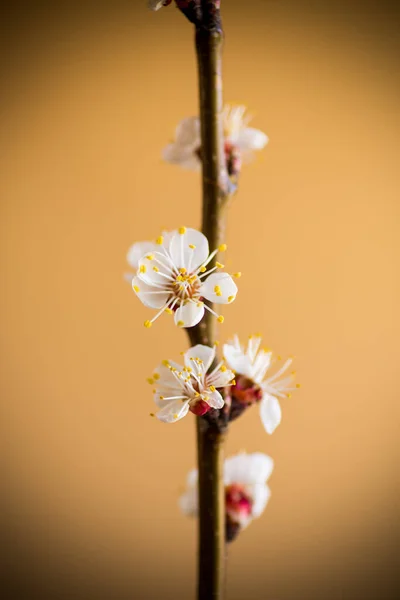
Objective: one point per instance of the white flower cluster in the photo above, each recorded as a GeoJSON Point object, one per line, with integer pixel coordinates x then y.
{"type": "Point", "coordinates": [177, 274]}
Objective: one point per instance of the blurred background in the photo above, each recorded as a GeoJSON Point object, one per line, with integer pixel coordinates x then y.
{"type": "Point", "coordinates": [90, 95]}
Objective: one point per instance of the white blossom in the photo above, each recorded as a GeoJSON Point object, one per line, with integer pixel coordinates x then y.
{"type": "Point", "coordinates": [186, 148]}
{"type": "Point", "coordinates": [246, 490]}
{"type": "Point", "coordinates": [174, 278]}
{"type": "Point", "coordinates": [178, 389]}
{"type": "Point", "coordinates": [254, 363]}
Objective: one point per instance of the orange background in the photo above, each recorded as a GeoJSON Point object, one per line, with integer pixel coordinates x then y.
{"type": "Point", "coordinates": [90, 98]}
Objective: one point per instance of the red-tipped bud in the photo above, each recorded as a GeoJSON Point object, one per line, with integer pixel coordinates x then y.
{"type": "Point", "coordinates": [199, 408]}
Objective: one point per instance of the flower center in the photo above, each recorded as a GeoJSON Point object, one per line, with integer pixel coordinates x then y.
{"type": "Point", "coordinates": [186, 286]}
{"type": "Point", "coordinates": [246, 391]}
{"type": "Point", "coordinates": [238, 503]}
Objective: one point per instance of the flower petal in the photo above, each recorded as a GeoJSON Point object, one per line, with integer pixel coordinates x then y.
{"type": "Point", "coordinates": [204, 353]}
{"type": "Point", "coordinates": [181, 155]}
{"type": "Point", "coordinates": [167, 379]}
{"type": "Point", "coordinates": [260, 495]}
{"type": "Point", "coordinates": [188, 133]}
{"type": "Point", "coordinates": [153, 272]}
{"type": "Point", "coordinates": [192, 478]}
{"type": "Point", "coordinates": [219, 288]}
{"type": "Point", "coordinates": [249, 138]}
{"type": "Point", "coordinates": [189, 314]}
{"type": "Point", "coordinates": [248, 469]}
{"type": "Point", "coordinates": [237, 360]}
{"type": "Point", "coordinates": [214, 399]}
{"type": "Point", "coordinates": [270, 412]}
{"type": "Point", "coordinates": [261, 365]}
{"type": "Point", "coordinates": [174, 410]}
{"type": "Point", "coordinates": [144, 292]}
{"type": "Point", "coordinates": [188, 503]}
{"type": "Point", "coordinates": [137, 251]}
{"type": "Point", "coordinates": [166, 392]}
{"type": "Point", "coordinates": [157, 4]}
{"type": "Point", "coordinates": [182, 252]}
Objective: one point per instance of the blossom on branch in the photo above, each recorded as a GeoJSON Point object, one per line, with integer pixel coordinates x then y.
{"type": "Point", "coordinates": [172, 277]}
{"type": "Point", "coordinates": [239, 139]}
{"type": "Point", "coordinates": [180, 389]}
{"type": "Point", "coordinates": [246, 490]}
{"type": "Point", "coordinates": [251, 365]}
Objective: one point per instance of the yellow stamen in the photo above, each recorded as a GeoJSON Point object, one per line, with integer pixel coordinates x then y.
{"type": "Point", "coordinates": [216, 343]}
{"type": "Point", "coordinates": [150, 256]}
{"type": "Point", "coordinates": [212, 388]}
{"type": "Point", "coordinates": [219, 265]}
{"type": "Point", "coordinates": [222, 248]}
{"type": "Point", "coordinates": [202, 269]}
{"type": "Point", "coordinates": [160, 240]}
{"type": "Point", "coordinates": [192, 246]}
{"type": "Point", "coordinates": [150, 380]}
{"type": "Point", "coordinates": [180, 323]}
{"type": "Point", "coordinates": [222, 368]}
{"type": "Point", "coordinates": [298, 385]}
{"type": "Point", "coordinates": [217, 290]}
{"type": "Point", "coordinates": [237, 275]}
{"type": "Point", "coordinates": [220, 319]}
{"type": "Point", "coordinates": [156, 376]}
{"type": "Point", "coordinates": [169, 311]}
{"type": "Point", "coordinates": [152, 415]}
{"type": "Point", "coordinates": [233, 382]}
{"type": "Point", "coordinates": [156, 269]}
{"type": "Point", "coordinates": [142, 269]}
{"type": "Point", "coordinates": [136, 288]}
{"type": "Point", "coordinates": [147, 324]}
{"type": "Point", "coordinates": [165, 363]}
{"type": "Point", "coordinates": [161, 397]}
{"type": "Point", "coordinates": [183, 270]}
{"type": "Point", "coordinates": [231, 298]}
{"type": "Point", "coordinates": [182, 230]}
{"type": "Point", "coordinates": [288, 395]}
